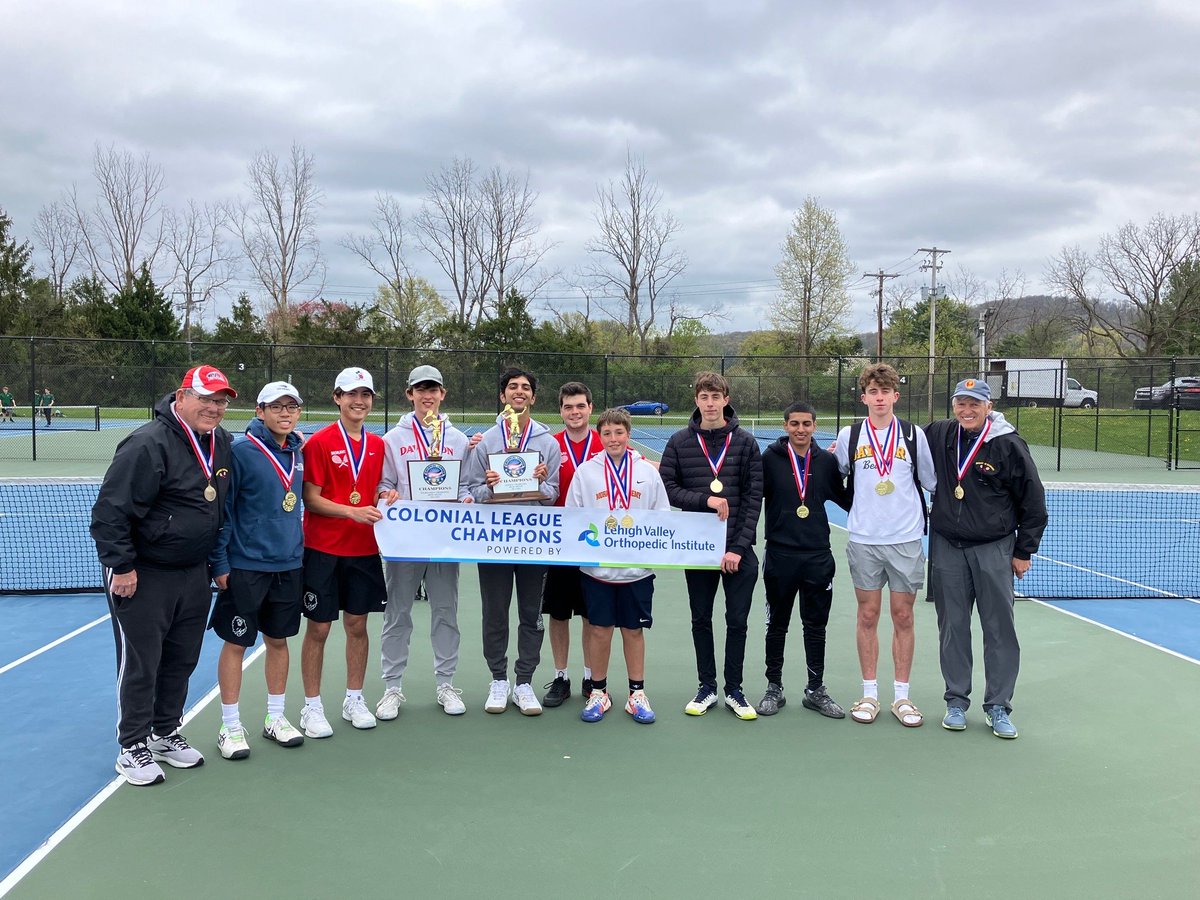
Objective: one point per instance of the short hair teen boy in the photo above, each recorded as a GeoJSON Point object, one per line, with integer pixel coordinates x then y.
{"type": "Point", "coordinates": [618, 480]}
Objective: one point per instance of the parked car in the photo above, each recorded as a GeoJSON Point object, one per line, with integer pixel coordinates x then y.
{"type": "Point", "coordinates": [1186, 388]}
{"type": "Point", "coordinates": [646, 408]}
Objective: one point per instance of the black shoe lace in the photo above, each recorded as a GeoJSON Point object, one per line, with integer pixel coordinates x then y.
{"type": "Point", "coordinates": [140, 754]}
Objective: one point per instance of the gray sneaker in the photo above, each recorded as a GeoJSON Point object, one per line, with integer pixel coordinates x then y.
{"type": "Point", "coordinates": [1002, 726]}
{"type": "Point", "coordinates": [816, 698]}
{"type": "Point", "coordinates": [175, 751]}
{"type": "Point", "coordinates": [955, 719]}
{"type": "Point", "coordinates": [137, 766]}
{"type": "Point", "coordinates": [772, 701]}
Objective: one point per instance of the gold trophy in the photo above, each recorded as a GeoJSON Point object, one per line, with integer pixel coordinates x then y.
{"type": "Point", "coordinates": [512, 428]}
{"type": "Point", "coordinates": [434, 423]}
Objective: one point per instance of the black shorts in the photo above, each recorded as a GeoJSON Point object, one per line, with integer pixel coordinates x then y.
{"type": "Point", "coordinates": [625, 604]}
{"type": "Point", "coordinates": [257, 601]}
{"type": "Point", "coordinates": [562, 594]}
{"type": "Point", "coordinates": [333, 584]}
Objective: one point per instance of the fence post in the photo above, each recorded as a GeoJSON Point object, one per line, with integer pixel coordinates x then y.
{"type": "Point", "coordinates": [837, 426]}
{"type": "Point", "coordinates": [150, 377]}
{"type": "Point", "coordinates": [32, 410]}
{"type": "Point", "coordinates": [387, 373]}
{"type": "Point", "coordinates": [1172, 415]}
{"type": "Point", "coordinates": [606, 403]}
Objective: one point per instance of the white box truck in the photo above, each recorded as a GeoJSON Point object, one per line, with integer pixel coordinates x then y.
{"type": "Point", "coordinates": [1037, 382]}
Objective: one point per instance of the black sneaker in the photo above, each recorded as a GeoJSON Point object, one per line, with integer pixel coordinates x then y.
{"type": "Point", "coordinates": [560, 690]}
{"type": "Point", "coordinates": [772, 701]}
{"type": "Point", "coordinates": [588, 684]}
{"type": "Point", "coordinates": [816, 698]}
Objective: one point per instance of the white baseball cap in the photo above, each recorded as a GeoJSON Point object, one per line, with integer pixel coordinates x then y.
{"type": "Point", "coordinates": [354, 378]}
{"type": "Point", "coordinates": [276, 389]}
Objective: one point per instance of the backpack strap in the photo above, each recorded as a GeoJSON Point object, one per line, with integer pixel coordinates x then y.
{"type": "Point", "coordinates": [855, 431]}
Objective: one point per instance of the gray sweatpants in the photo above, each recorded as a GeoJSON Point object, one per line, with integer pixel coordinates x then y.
{"type": "Point", "coordinates": [495, 587]}
{"type": "Point", "coordinates": [978, 576]}
{"type": "Point", "coordinates": [441, 584]}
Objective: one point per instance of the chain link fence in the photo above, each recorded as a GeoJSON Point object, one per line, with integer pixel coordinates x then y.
{"type": "Point", "coordinates": [1142, 414]}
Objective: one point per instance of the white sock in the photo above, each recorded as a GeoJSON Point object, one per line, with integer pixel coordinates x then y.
{"type": "Point", "coordinates": [275, 706]}
{"type": "Point", "coordinates": [901, 690]}
{"type": "Point", "coordinates": [871, 689]}
{"type": "Point", "coordinates": [560, 673]}
{"type": "Point", "coordinates": [314, 703]}
{"type": "Point", "coordinates": [230, 715]}
{"type": "Point", "coordinates": [587, 672]}
{"type": "Point", "coordinates": [353, 695]}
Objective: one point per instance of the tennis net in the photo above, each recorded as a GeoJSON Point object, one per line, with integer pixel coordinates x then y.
{"type": "Point", "coordinates": [44, 538]}
{"type": "Point", "coordinates": [1117, 541]}
{"type": "Point", "coordinates": [62, 418]}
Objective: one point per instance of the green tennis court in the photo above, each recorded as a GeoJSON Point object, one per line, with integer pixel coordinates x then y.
{"type": "Point", "coordinates": [1096, 799]}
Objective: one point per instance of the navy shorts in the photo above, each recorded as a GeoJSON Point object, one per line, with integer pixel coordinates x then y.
{"type": "Point", "coordinates": [624, 604]}
{"type": "Point", "coordinates": [258, 601]}
{"type": "Point", "coordinates": [562, 595]}
{"type": "Point", "coordinates": [335, 584]}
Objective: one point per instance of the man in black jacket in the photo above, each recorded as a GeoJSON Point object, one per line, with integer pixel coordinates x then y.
{"type": "Point", "coordinates": [712, 465]}
{"type": "Point", "coordinates": [989, 511]}
{"type": "Point", "coordinates": [155, 522]}
{"type": "Point", "coordinates": [798, 477]}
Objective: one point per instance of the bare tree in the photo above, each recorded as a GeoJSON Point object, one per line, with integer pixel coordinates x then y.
{"type": "Point", "coordinates": [634, 259]}
{"type": "Point", "coordinates": [813, 278]}
{"type": "Point", "coordinates": [57, 232]}
{"type": "Point", "coordinates": [448, 226]}
{"type": "Point", "coordinates": [123, 228]}
{"type": "Point", "coordinates": [383, 250]}
{"type": "Point", "coordinates": [203, 260]}
{"type": "Point", "coordinates": [508, 251]}
{"type": "Point", "coordinates": [278, 228]}
{"type": "Point", "coordinates": [1135, 264]}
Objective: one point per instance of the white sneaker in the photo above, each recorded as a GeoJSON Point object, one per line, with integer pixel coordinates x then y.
{"type": "Point", "coordinates": [174, 750]}
{"type": "Point", "coordinates": [450, 699]}
{"type": "Point", "coordinates": [497, 700]}
{"type": "Point", "coordinates": [280, 730]}
{"type": "Point", "coordinates": [232, 742]}
{"type": "Point", "coordinates": [314, 724]}
{"type": "Point", "coordinates": [356, 713]}
{"type": "Point", "coordinates": [388, 706]}
{"type": "Point", "coordinates": [526, 700]}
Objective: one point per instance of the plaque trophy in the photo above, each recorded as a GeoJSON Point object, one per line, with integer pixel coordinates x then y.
{"type": "Point", "coordinates": [434, 478]}
{"type": "Point", "coordinates": [517, 483]}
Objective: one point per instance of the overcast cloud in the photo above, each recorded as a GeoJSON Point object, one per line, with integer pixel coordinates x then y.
{"type": "Point", "coordinates": [1001, 132]}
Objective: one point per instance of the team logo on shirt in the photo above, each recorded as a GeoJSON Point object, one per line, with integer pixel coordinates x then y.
{"type": "Point", "coordinates": [514, 467]}
{"type": "Point", "coordinates": [338, 457]}
{"type": "Point", "coordinates": [222, 473]}
{"type": "Point", "coordinates": [986, 467]}
{"type": "Point", "coordinates": [239, 626]}
{"type": "Point", "coordinates": [433, 474]}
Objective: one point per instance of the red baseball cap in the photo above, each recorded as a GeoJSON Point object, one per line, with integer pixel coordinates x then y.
{"type": "Point", "coordinates": [207, 380]}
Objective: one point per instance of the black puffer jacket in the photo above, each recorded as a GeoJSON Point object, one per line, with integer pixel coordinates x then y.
{"type": "Point", "coordinates": [151, 508]}
{"type": "Point", "coordinates": [687, 476]}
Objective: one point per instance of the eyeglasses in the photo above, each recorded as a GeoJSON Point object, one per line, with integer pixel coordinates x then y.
{"type": "Point", "coordinates": [219, 402]}
{"type": "Point", "coordinates": [283, 407]}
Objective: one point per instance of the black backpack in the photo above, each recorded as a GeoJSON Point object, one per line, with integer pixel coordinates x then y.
{"type": "Point", "coordinates": [908, 432]}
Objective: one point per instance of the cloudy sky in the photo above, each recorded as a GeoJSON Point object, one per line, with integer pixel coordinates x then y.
{"type": "Point", "coordinates": [1000, 131]}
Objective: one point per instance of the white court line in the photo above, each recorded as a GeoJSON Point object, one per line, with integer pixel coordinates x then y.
{"type": "Point", "coordinates": [1132, 637]}
{"type": "Point", "coordinates": [1167, 595]}
{"type": "Point", "coordinates": [50, 646]}
{"type": "Point", "coordinates": [28, 863]}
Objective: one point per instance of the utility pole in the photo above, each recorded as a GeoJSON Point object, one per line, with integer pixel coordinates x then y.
{"type": "Point", "coordinates": [933, 267]}
{"type": "Point", "coordinates": [881, 275]}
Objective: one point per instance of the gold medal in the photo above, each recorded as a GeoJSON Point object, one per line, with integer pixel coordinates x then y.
{"type": "Point", "coordinates": [959, 492]}
{"type": "Point", "coordinates": [210, 493]}
{"type": "Point", "coordinates": [884, 487]}
{"type": "Point", "coordinates": [355, 498]}
{"type": "Point", "coordinates": [716, 487]}
{"type": "Point", "coordinates": [289, 501]}
{"type": "Point", "coordinates": [802, 511]}
{"type": "Point", "coordinates": [627, 522]}
{"type": "Point", "coordinates": [610, 523]}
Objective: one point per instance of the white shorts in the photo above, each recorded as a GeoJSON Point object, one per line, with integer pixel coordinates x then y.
{"type": "Point", "coordinates": [899, 566]}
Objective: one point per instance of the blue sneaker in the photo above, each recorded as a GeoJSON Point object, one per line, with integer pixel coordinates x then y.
{"type": "Point", "coordinates": [597, 705]}
{"type": "Point", "coordinates": [639, 707]}
{"type": "Point", "coordinates": [956, 719]}
{"type": "Point", "coordinates": [1002, 726]}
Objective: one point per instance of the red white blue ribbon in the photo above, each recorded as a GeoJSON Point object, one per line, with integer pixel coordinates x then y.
{"type": "Point", "coordinates": [206, 463]}
{"type": "Point", "coordinates": [620, 481]}
{"type": "Point", "coordinates": [285, 478]}
{"type": "Point", "coordinates": [800, 473]}
{"type": "Point", "coordinates": [885, 453]}
{"type": "Point", "coordinates": [576, 462]}
{"type": "Point", "coordinates": [715, 466]}
{"type": "Point", "coordinates": [965, 464]}
{"type": "Point", "coordinates": [355, 461]}
{"type": "Point", "coordinates": [422, 441]}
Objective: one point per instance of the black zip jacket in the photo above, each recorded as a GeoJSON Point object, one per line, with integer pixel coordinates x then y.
{"type": "Point", "coordinates": [151, 509]}
{"type": "Point", "coordinates": [1002, 492]}
{"type": "Point", "coordinates": [686, 474]}
{"type": "Point", "coordinates": [784, 529]}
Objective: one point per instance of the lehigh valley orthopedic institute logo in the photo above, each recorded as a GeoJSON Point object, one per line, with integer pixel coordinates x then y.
{"type": "Point", "coordinates": [434, 474]}
{"type": "Point", "coordinates": [514, 467]}
{"type": "Point", "coordinates": [591, 536]}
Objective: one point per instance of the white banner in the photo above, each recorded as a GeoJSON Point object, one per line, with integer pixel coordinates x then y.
{"type": "Point", "coordinates": [571, 536]}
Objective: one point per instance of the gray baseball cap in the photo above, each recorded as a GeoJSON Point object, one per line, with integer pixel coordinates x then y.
{"type": "Point", "coordinates": [424, 373]}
